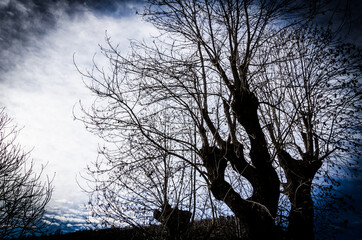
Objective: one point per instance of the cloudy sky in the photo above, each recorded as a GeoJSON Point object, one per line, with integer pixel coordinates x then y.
{"type": "Point", "coordinates": [39, 84]}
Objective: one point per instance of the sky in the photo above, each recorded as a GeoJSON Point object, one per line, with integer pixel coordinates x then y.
{"type": "Point", "coordinates": [40, 86]}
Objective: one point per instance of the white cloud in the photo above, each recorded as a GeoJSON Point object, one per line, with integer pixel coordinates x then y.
{"type": "Point", "coordinates": [43, 85]}
{"type": "Point", "coordinates": [70, 219]}
{"type": "Point", "coordinates": [67, 216]}
{"type": "Point", "coordinates": [4, 3]}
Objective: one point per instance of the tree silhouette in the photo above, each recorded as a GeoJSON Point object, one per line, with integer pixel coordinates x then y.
{"type": "Point", "coordinates": [257, 102]}
{"type": "Point", "coordinates": [23, 196]}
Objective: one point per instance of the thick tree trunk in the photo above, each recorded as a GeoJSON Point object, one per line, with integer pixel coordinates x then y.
{"type": "Point", "coordinates": [256, 215]}
{"type": "Point", "coordinates": [255, 219]}
{"type": "Point", "coordinates": [301, 217]}
{"type": "Point", "coordinates": [300, 174]}
{"type": "Point", "coordinates": [267, 184]}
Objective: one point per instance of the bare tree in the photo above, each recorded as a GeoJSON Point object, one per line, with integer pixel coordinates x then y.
{"type": "Point", "coordinates": [311, 112]}
{"type": "Point", "coordinates": [137, 183]}
{"type": "Point", "coordinates": [254, 106]}
{"type": "Point", "coordinates": [23, 195]}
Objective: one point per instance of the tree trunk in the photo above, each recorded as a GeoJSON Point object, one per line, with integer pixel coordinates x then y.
{"type": "Point", "coordinates": [175, 220]}
{"type": "Point", "coordinates": [267, 184]}
{"type": "Point", "coordinates": [299, 174]}
{"type": "Point", "coordinates": [255, 220]}
{"type": "Point", "coordinates": [301, 217]}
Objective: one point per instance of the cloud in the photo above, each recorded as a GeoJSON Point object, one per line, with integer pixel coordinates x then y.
{"type": "Point", "coordinates": [40, 85]}
{"type": "Point", "coordinates": [25, 22]}
{"type": "Point", "coordinates": [21, 22]}
{"type": "Point", "coordinates": [59, 217]}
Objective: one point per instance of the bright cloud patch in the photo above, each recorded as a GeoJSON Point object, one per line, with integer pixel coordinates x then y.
{"type": "Point", "coordinates": [67, 217]}
{"type": "Point", "coordinates": [41, 87]}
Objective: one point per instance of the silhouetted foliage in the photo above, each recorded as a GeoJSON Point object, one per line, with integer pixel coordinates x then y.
{"type": "Point", "coordinates": [221, 229]}
{"type": "Point", "coordinates": [23, 195]}
{"type": "Point", "coordinates": [241, 106]}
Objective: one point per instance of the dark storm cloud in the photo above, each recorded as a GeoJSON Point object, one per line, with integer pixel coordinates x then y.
{"type": "Point", "coordinates": [345, 18]}
{"type": "Point", "coordinates": [20, 20]}
{"type": "Point", "coordinates": [111, 7]}
{"type": "Point", "coordinates": [24, 22]}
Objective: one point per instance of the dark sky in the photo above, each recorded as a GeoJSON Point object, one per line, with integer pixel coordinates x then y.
{"type": "Point", "coordinates": [26, 21]}
{"type": "Point", "coordinates": [346, 16]}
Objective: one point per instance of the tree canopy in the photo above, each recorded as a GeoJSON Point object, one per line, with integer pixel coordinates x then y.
{"type": "Point", "coordinates": [238, 105]}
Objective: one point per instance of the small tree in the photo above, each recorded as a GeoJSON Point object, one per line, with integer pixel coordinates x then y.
{"type": "Point", "coordinates": [144, 185]}
{"type": "Point", "coordinates": [23, 196]}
